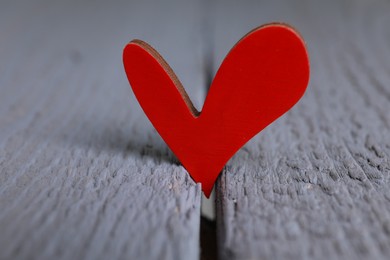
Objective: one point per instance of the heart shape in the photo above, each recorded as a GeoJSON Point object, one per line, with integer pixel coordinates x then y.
{"type": "Point", "coordinates": [261, 78]}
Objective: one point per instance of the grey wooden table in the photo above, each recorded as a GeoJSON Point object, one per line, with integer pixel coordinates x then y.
{"type": "Point", "coordinates": [85, 176]}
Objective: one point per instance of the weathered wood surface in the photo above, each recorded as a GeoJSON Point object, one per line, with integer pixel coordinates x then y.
{"type": "Point", "coordinates": [315, 184]}
{"type": "Point", "coordinates": [83, 173]}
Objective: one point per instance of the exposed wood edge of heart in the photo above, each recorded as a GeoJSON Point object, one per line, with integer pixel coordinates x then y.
{"type": "Point", "coordinates": [170, 72]}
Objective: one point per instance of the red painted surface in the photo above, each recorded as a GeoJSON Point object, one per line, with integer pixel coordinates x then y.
{"type": "Point", "coordinates": [261, 78]}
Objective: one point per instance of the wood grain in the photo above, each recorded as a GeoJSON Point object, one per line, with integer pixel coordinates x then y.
{"type": "Point", "coordinates": [83, 173]}
{"type": "Point", "coordinates": [315, 184]}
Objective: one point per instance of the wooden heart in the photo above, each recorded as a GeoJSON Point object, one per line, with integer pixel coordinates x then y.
{"type": "Point", "coordinates": [261, 78]}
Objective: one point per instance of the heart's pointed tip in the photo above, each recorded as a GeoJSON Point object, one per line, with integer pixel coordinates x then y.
{"type": "Point", "coordinates": [207, 188]}
{"type": "Point", "coordinates": [207, 193]}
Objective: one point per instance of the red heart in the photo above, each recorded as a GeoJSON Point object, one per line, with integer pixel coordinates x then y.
{"type": "Point", "coordinates": [261, 78]}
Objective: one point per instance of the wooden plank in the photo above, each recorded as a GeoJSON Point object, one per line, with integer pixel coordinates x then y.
{"type": "Point", "coordinates": [83, 173]}
{"type": "Point", "coordinates": [315, 184]}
